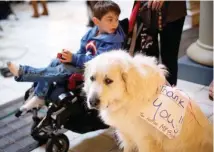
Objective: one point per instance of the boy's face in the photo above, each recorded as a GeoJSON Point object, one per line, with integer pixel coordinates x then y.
{"type": "Point", "coordinates": [108, 23]}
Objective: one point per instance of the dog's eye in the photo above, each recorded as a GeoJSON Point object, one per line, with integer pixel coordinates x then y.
{"type": "Point", "coordinates": [108, 81]}
{"type": "Point", "coordinates": [92, 78]}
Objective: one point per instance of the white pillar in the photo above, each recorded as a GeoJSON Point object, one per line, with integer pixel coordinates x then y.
{"type": "Point", "coordinates": [202, 50]}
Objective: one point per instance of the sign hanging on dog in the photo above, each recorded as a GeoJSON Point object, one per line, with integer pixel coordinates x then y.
{"type": "Point", "coordinates": [166, 113]}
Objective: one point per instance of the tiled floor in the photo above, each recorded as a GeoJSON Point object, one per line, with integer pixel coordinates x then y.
{"type": "Point", "coordinates": [35, 41]}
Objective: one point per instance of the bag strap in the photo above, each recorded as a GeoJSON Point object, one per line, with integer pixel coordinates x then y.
{"type": "Point", "coordinates": [133, 40]}
{"type": "Point", "coordinates": [133, 26]}
{"type": "Point", "coordinates": [133, 15]}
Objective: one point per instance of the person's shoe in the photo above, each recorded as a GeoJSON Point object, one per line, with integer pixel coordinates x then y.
{"type": "Point", "coordinates": [34, 102]}
{"type": "Point", "coordinates": [14, 69]}
{"type": "Point", "coordinates": [35, 15]}
{"type": "Point", "coordinates": [45, 13]}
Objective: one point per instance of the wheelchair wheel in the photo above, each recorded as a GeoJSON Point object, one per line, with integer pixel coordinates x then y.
{"type": "Point", "coordinates": [40, 137]}
{"type": "Point", "coordinates": [59, 143]}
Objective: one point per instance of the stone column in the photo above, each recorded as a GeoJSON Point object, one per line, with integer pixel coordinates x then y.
{"type": "Point", "coordinates": [202, 50]}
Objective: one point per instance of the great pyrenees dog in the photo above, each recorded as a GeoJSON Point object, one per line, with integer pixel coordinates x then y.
{"type": "Point", "coordinates": [131, 96]}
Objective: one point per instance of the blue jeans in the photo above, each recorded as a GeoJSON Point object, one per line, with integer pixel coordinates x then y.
{"type": "Point", "coordinates": [54, 72]}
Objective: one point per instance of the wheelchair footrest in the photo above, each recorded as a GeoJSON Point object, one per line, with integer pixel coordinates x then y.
{"type": "Point", "coordinates": [18, 113]}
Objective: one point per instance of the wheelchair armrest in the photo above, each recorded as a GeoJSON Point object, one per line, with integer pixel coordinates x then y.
{"type": "Point", "coordinates": [74, 80]}
{"type": "Point", "coordinates": [67, 97]}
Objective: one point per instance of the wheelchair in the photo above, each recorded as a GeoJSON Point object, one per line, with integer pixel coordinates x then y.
{"type": "Point", "coordinates": [69, 112]}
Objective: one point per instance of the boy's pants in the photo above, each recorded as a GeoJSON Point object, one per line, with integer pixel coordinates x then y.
{"type": "Point", "coordinates": [55, 72]}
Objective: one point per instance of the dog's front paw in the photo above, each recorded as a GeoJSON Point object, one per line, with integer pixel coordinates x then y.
{"type": "Point", "coordinates": [126, 150]}
{"type": "Point", "coordinates": [125, 142]}
{"type": "Point", "coordinates": [129, 149]}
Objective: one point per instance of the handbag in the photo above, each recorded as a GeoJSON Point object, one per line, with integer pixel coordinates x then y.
{"type": "Point", "coordinates": [147, 25]}
{"type": "Point", "coordinates": [144, 24]}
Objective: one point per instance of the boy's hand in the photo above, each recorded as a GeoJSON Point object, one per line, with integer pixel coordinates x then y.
{"type": "Point", "coordinates": [66, 56]}
{"type": "Point", "coordinates": [155, 4]}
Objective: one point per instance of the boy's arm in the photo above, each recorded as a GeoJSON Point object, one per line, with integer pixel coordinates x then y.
{"type": "Point", "coordinates": [67, 56]}
{"type": "Point", "coordinates": [80, 59]}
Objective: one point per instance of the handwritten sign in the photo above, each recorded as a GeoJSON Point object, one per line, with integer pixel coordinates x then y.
{"type": "Point", "coordinates": [166, 113]}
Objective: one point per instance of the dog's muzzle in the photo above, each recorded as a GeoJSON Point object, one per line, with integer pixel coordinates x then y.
{"type": "Point", "coordinates": [94, 101]}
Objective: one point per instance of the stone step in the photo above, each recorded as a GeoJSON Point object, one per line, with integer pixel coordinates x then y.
{"type": "Point", "coordinates": [191, 71]}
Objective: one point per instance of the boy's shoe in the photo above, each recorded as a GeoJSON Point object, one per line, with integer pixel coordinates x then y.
{"type": "Point", "coordinates": [34, 102]}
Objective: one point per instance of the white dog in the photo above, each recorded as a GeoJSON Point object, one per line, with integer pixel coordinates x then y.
{"type": "Point", "coordinates": [121, 87]}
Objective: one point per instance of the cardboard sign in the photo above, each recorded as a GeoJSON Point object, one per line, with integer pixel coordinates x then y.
{"type": "Point", "coordinates": [166, 113]}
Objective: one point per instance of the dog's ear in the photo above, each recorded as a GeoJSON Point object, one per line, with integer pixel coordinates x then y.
{"type": "Point", "coordinates": [132, 77]}
{"type": "Point", "coordinates": [144, 78]}
{"type": "Point", "coordinates": [151, 62]}
{"type": "Point", "coordinates": [154, 74]}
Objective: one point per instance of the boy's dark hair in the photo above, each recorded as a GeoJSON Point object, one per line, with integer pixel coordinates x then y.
{"type": "Point", "coordinates": [103, 7]}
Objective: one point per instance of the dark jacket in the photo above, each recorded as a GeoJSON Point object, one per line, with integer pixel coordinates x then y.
{"type": "Point", "coordinates": [175, 10]}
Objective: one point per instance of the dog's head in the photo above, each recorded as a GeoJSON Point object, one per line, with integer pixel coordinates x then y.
{"type": "Point", "coordinates": [112, 79]}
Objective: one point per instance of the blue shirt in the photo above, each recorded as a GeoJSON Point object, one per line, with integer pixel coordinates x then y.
{"type": "Point", "coordinates": [92, 45]}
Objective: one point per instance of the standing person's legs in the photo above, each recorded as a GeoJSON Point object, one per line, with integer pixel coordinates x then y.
{"type": "Point", "coordinates": [170, 41]}
{"type": "Point", "coordinates": [45, 8]}
{"type": "Point", "coordinates": [35, 8]}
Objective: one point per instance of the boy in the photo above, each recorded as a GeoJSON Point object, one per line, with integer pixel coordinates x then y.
{"type": "Point", "coordinates": [105, 36]}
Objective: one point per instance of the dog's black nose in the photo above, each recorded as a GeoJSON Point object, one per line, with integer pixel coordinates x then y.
{"type": "Point", "coordinates": [94, 101]}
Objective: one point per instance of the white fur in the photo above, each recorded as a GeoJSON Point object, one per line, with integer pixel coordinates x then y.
{"type": "Point", "coordinates": [136, 81]}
